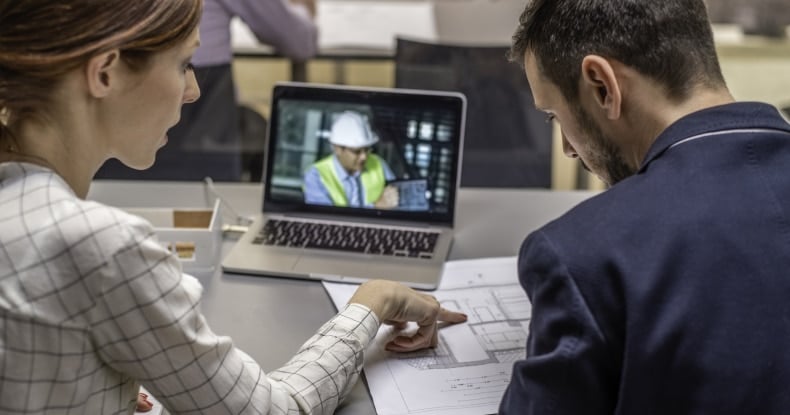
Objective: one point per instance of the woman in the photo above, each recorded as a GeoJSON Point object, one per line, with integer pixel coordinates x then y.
{"type": "Point", "coordinates": [90, 305]}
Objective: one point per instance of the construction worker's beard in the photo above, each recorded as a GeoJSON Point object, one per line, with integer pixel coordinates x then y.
{"type": "Point", "coordinates": [601, 152]}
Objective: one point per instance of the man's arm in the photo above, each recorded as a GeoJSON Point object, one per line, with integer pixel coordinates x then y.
{"type": "Point", "coordinates": [287, 27]}
{"type": "Point", "coordinates": [568, 368]}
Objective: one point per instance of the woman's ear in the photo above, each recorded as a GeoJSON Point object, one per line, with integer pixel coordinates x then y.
{"type": "Point", "coordinates": [599, 79]}
{"type": "Point", "coordinates": [102, 72]}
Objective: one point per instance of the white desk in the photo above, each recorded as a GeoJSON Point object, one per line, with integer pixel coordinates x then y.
{"type": "Point", "coordinates": [269, 318]}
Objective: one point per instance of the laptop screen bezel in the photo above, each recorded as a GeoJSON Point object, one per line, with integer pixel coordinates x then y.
{"type": "Point", "coordinates": [453, 101]}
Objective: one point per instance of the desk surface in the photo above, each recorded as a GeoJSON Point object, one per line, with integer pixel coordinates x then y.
{"type": "Point", "coordinates": [251, 309]}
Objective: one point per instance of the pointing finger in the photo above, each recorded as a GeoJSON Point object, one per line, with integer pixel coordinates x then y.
{"type": "Point", "coordinates": [451, 316]}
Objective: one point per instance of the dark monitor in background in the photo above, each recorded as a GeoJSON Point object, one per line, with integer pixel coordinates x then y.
{"type": "Point", "coordinates": [508, 143]}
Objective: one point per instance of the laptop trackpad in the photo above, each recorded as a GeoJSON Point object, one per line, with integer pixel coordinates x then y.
{"type": "Point", "coordinates": [336, 265]}
{"type": "Point", "coordinates": [357, 270]}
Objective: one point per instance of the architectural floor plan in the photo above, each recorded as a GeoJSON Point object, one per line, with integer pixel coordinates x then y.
{"type": "Point", "coordinates": [469, 370]}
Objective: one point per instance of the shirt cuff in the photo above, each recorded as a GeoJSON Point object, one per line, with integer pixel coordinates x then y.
{"type": "Point", "coordinates": [358, 320]}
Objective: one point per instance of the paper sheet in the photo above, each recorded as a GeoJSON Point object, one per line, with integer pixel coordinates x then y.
{"type": "Point", "coordinates": [470, 369]}
{"type": "Point", "coordinates": [373, 24]}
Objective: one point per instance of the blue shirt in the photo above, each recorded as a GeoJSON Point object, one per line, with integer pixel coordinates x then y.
{"type": "Point", "coordinates": [316, 193]}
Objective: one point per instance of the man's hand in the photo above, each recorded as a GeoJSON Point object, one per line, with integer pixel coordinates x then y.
{"type": "Point", "coordinates": [389, 198]}
{"type": "Point", "coordinates": [397, 304]}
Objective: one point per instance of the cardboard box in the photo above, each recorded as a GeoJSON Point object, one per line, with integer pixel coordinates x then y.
{"type": "Point", "coordinates": [193, 234]}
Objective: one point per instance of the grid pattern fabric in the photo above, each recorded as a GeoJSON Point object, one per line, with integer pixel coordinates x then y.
{"type": "Point", "coordinates": [92, 306]}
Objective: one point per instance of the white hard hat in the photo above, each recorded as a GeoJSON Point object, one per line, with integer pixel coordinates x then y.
{"type": "Point", "coordinates": [352, 130]}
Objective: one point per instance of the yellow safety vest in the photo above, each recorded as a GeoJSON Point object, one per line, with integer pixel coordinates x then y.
{"type": "Point", "coordinates": [372, 179]}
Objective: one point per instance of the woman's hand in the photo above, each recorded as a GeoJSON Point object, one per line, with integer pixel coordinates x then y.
{"type": "Point", "coordinates": [143, 404]}
{"type": "Point", "coordinates": [397, 304]}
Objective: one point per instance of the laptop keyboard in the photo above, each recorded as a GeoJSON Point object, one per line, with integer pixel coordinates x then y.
{"type": "Point", "coordinates": [349, 238]}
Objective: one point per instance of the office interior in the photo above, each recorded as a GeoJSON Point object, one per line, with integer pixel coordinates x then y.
{"type": "Point", "coordinates": [755, 61]}
{"type": "Point", "coordinates": [752, 39]}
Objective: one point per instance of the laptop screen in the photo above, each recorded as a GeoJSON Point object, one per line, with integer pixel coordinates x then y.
{"type": "Point", "coordinates": [388, 153]}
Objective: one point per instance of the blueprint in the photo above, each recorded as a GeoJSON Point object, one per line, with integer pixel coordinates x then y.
{"type": "Point", "coordinates": [469, 370]}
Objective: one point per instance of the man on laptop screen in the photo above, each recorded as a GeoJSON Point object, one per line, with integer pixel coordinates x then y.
{"type": "Point", "coordinates": [352, 175]}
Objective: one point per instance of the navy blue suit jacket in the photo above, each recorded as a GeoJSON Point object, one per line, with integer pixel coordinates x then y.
{"type": "Point", "coordinates": [669, 293]}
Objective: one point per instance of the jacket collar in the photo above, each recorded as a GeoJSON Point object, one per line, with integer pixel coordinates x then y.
{"type": "Point", "coordinates": [737, 115]}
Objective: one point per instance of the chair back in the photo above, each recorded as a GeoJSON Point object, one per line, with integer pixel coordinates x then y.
{"type": "Point", "coordinates": [508, 142]}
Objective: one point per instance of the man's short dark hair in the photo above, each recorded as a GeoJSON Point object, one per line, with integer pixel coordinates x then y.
{"type": "Point", "coordinates": [670, 41]}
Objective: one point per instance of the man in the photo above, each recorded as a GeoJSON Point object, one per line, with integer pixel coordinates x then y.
{"type": "Point", "coordinates": [352, 176]}
{"type": "Point", "coordinates": [669, 293]}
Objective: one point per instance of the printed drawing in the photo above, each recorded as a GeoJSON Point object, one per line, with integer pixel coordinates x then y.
{"type": "Point", "coordinates": [469, 371]}
{"type": "Point", "coordinates": [498, 322]}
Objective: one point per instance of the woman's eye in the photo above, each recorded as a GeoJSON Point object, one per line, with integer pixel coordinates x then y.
{"type": "Point", "coordinates": [189, 67]}
{"type": "Point", "coordinates": [550, 118]}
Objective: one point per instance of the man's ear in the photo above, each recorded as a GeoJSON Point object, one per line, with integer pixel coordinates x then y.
{"type": "Point", "coordinates": [102, 72]}
{"type": "Point", "coordinates": [599, 78]}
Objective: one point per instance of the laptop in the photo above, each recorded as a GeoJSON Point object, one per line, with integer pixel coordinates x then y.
{"type": "Point", "coordinates": [313, 227]}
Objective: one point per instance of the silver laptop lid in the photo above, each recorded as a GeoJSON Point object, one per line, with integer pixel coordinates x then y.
{"type": "Point", "coordinates": [337, 150]}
